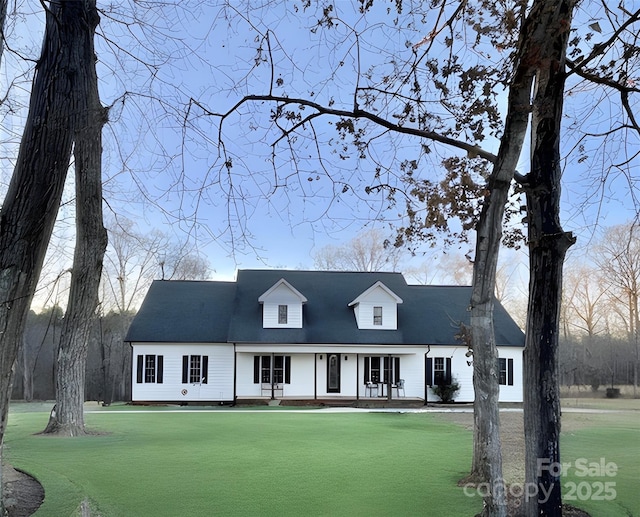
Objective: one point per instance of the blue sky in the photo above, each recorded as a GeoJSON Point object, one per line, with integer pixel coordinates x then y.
{"type": "Point", "coordinates": [172, 177]}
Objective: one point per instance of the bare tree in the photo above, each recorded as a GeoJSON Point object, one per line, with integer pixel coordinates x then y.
{"type": "Point", "coordinates": [442, 268]}
{"type": "Point", "coordinates": [584, 297]}
{"type": "Point", "coordinates": [618, 256]}
{"type": "Point", "coordinates": [369, 251]}
{"type": "Point", "coordinates": [91, 242]}
{"type": "Point", "coordinates": [135, 258]}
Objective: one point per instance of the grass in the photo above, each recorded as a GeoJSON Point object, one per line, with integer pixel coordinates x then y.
{"type": "Point", "coordinates": [232, 463]}
{"type": "Point", "coordinates": [290, 463]}
{"type": "Point", "coordinates": [608, 438]}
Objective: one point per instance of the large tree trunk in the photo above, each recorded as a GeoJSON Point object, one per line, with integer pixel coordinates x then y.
{"type": "Point", "coordinates": [91, 242]}
{"type": "Point", "coordinates": [548, 244]}
{"type": "Point", "coordinates": [33, 197]}
{"type": "Point", "coordinates": [487, 455]}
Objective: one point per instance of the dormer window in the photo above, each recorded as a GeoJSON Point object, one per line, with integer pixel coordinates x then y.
{"type": "Point", "coordinates": [282, 306]}
{"type": "Point", "coordinates": [282, 314]}
{"type": "Point", "coordinates": [377, 315]}
{"type": "Point", "coordinates": [377, 308]}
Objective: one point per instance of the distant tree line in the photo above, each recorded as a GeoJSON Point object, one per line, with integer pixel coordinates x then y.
{"type": "Point", "coordinates": [108, 369]}
{"type": "Point", "coordinates": [133, 260]}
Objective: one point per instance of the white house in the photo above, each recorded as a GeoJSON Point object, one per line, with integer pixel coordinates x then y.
{"type": "Point", "coordinates": [310, 335]}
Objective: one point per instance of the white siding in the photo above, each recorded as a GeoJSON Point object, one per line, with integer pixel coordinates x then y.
{"type": "Point", "coordinates": [219, 385]}
{"type": "Point", "coordinates": [308, 371]}
{"type": "Point", "coordinates": [364, 315]}
{"type": "Point", "coordinates": [512, 393]}
{"type": "Point", "coordinates": [463, 373]}
{"type": "Point", "coordinates": [270, 315]}
{"type": "Point", "coordinates": [364, 311]}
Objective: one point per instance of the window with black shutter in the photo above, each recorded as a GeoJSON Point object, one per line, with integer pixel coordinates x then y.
{"type": "Point", "coordinates": [438, 371]}
{"type": "Point", "coordinates": [505, 371]}
{"type": "Point", "coordinates": [195, 369]}
{"type": "Point", "coordinates": [149, 369]}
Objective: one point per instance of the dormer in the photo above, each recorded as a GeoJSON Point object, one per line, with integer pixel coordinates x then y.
{"type": "Point", "coordinates": [282, 306]}
{"type": "Point", "coordinates": [377, 308]}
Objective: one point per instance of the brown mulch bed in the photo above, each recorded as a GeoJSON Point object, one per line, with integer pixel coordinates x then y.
{"type": "Point", "coordinates": [23, 494]}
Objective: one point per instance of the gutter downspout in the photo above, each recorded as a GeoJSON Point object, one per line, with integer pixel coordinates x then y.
{"type": "Point", "coordinates": [235, 373]}
{"type": "Point", "coordinates": [358, 377]}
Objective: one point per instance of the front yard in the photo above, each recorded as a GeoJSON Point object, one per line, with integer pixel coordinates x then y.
{"type": "Point", "coordinates": [267, 462]}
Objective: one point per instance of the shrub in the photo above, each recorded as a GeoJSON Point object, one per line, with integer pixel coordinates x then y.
{"type": "Point", "coordinates": [447, 392]}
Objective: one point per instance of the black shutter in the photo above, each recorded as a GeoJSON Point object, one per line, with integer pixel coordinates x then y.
{"type": "Point", "coordinates": [185, 369]}
{"type": "Point", "coordinates": [428, 374]}
{"type": "Point", "coordinates": [510, 372]}
{"type": "Point", "coordinates": [140, 368]}
{"type": "Point", "coordinates": [447, 373]}
{"type": "Point", "coordinates": [396, 370]}
{"type": "Point", "coordinates": [287, 369]}
{"type": "Point", "coordinates": [204, 374]}
{"type": "Point", "coordinates": [256, 369]}
{"type": "Point", "coordinates": [159, 365]}
{"type": "Point", "coordinates": [367, 367]}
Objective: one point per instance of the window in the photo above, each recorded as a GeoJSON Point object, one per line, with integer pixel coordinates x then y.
{"type": "Point", "coordinates": [382, 369]}
{"type": "Point", "coordinates": [149, 369]}
{"type": "Point", "coordinates": [505, 371]}
{"type": "Point", "coordinates": [274, 369]}
{"type": "Point", "coordinates": [377, 315]}
{"type": "Point", "coordinates": [282, 314]}
{"type": "Point", "coordinates": [437, 371]}
{"type": "Point", "coordinates": [195, 369]}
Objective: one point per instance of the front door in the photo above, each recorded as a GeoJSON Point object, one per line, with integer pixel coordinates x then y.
{"type": "Point", "coordinates": [333, 373]}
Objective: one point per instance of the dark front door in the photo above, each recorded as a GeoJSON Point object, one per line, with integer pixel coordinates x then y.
{"type": "Point", "coordinates": [333, 373]}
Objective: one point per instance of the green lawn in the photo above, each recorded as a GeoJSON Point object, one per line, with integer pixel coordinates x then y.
{"type": "Point", "coordinates": [611, 438]}
{"type": "Point", "coordinates": [295, 463]}
{"type": "Point", "coordinates": [266, 463]}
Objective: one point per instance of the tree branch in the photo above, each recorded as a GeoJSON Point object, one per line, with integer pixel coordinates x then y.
{"type": "Point", "coordinates": [357, 113]}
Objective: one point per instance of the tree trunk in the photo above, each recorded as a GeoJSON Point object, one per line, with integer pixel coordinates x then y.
{"type": "Point", "coordinates": [486, 464]}
{"type": "Point", "coordinates": [548, 244]}
{"type": "Point", "coordinates": [91, 242]}
{"type": "Point", "coordinates": [33, 197]}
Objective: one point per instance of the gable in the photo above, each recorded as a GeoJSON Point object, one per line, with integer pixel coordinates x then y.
{"type": "Point", "coordinates": [282, 292]}
{"type": "Point", "coordinates": [282, 306]}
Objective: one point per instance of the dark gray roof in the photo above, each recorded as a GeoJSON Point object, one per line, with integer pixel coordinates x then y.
{"type": "Point", "coordinates": [184, 311]}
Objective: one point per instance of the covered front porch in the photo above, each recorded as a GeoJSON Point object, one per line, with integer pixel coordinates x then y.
{"type": "Point", "coordinates": [338, 373]}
